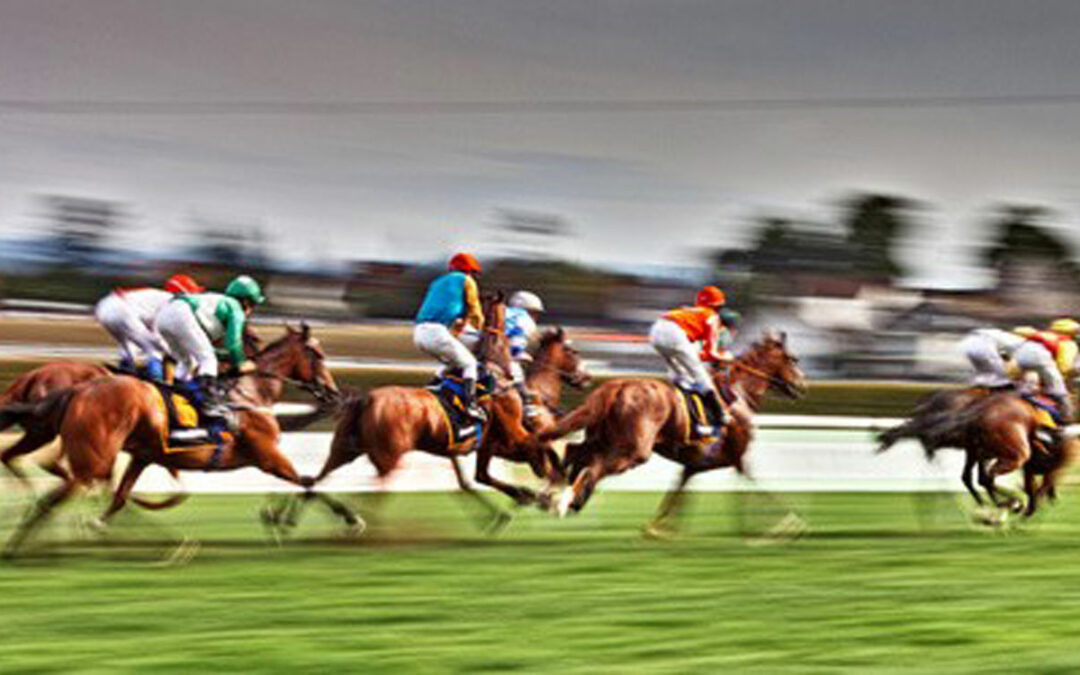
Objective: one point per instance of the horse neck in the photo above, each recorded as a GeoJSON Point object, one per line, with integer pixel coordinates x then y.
{"type": "Point", "coordinates": [748, 386]}
{"type": "Point", "coordinates": [272, 360]}
{"type": "Point", "coordinates": [545, 379]}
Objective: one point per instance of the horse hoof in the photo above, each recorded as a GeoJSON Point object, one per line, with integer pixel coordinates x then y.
{"type": "Point", "coordinates": [566, 500]}
{"type": "Point", "coordinates": [356, 528]}
{"type": "Point", "coordinates": [1016, 505]}
{"type": "Point", "coordinates": [269, 516]}
{"type": "Point", "coordinates": [657, 531]}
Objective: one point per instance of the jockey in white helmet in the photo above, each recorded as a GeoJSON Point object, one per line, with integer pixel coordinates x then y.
{"type": "Point", "coordinates": [524, 309]}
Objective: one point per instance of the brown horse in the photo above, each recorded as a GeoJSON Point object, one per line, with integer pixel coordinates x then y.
{"type": "Point", "coordinates": [555, 362]}
{"type": "Point", "coordinates": [626, 420]}
{"type": "Point", "coordinates": [30, 389]}
{"type": "Point", "coordinates": [387, 422]}
{"type": "Point", "coordinates": [112, 414]}
{"type": "Point", "coordinates": [996, 431]}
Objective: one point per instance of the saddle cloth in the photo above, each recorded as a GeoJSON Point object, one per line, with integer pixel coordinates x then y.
{"type": "Point", "coordinates": [184, 429]}
{"type": "Point", "coordinates": [703, 428]}
{"type": "Point", "coordinates": [450, 391]}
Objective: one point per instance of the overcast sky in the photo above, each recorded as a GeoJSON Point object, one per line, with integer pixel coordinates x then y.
{"type": "Point", "coordinates": [651, 182]}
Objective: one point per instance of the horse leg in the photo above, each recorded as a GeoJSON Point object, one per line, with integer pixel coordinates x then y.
{"type": "Point", "coordinates": [1029, 490]}
{"type": "Point", "coordinates": [123, 491]}
{"type": "Point", "coordinates": [30, 441]}
{"type": "Point", "coordinates": [497, 517]}
{"type": "Point", "coordinates": [578, 492]}
{"type": "Point", "coordinates": [658, 526]}
{"type": "Point", "coordinates": [41, 510]}
{"type": "Point", "coordinates": [966, 476]}
{"type": "Point", "coordinates": [521, 495]}
{"type": "Point", "coordinates": [290, 511]}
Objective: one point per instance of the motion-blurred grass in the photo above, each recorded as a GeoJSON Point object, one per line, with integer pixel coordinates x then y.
{"type": "Point", "coordinates": [883, 583]}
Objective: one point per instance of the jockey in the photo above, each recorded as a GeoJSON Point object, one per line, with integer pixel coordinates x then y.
{"type": "Point", "coordinates": [1052, 354]}
{"type": "Point", "coordinates": [525, 309]}
{"type": "Point", "coordinates": [673, 335]}
{"type": "Point", "coordinates": [192, 324]}
{"type": "Point", "coordinates": [451, 305]}
{"type": "Point", "coordinates": [987, 349]}
{"type": "Point", "coordinates": [128, 315]}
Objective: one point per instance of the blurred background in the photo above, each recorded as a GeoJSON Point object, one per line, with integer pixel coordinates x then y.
{"type": "Point", "coordinates": [874, 179]}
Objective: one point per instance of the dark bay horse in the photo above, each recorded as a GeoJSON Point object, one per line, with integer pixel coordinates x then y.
{"type": "Point", "coordinates": [996, 432]}
{"type": "Point", "coordinates": [114, 414]}
{"type": "Point", "coordinates": [387, 422]}
{"type": "Point", "coordinates": [626, 420]}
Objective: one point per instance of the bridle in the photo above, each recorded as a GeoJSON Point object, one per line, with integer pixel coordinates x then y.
{"type": "Point", "coordinates": [778, 383]}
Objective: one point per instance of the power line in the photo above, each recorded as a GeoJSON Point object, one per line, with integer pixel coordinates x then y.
{"type": "Point", "coordinates": [331, 108]}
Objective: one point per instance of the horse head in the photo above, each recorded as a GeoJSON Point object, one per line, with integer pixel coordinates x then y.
{"type": "Point", "coordinates": [299, 356]}
{"type": "Point", "coordinates": [494, 346]}
{"type": "Point", "coordinates": [558, 353]}
{"type": "Point", "coordinates": [770, 360]}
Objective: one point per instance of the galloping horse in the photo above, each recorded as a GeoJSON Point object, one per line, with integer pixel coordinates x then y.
{"type": "Point", "coordinates": [626, 420]}
{"type": "Point", "coordinates": [388, 422]}
{"type": "Point", "coordinates": [556, 362]}
{"type": "Point", "coordinates": [33, 387]}
{"type": "Point", "coordinates": [30, 389]}
{"type": "Point", "coordinates": [108, 415]}
{"type": "Point", "coordinates": [995, 431]}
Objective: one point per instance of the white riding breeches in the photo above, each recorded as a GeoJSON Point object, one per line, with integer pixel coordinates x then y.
{"type": "Point", "coordinates": [123, 324]}
{"type": "Point", "coordinates": [985, 358]}
{"type": "Point", "coordinates": [187, 342]}
{"type": "Point", "coordinates": [436, 340]}
{"type": "Point", "coordinates": [1034, 356]}
{"type": "Point", "coordinates": [680, 355]}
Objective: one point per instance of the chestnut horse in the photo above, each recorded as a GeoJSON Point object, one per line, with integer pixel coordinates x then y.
{"type": "Point", "coordinates": [555, 362]}
{"type": "Point", "coordinates": [626, 420]}
{"type": "Point", "coordinates": [32, 388]}
{"type": "Point", "coordinates": [387, 422]}
{"type": "Point", "coordinates": [108, 415]}
{"type": "Point", "coordinates": [996, 431]}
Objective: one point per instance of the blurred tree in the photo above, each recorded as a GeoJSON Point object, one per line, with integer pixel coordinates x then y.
{"type": "Point", "coordinates": [1022, 234]}
{"type": "Point", "coordinates": [873, 223]}
{"type": "Point", "coordinates": [81, 227]}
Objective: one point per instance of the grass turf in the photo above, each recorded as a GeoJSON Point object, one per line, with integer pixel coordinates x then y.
{"type": "Point", "coordinates": [883, 583]}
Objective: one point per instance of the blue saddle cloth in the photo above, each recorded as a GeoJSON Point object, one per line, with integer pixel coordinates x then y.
{"type": "Point", "coordinates": [450, 391]}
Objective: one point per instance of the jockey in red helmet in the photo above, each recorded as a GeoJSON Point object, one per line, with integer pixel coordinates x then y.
{"type": "Point", "coordinates": [452, 304]}
{"type": "Point", "coordinates": [673, 337]}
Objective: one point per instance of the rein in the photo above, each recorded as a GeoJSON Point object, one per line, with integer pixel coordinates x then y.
{"type": "Point", "coordinates": [772, 380]}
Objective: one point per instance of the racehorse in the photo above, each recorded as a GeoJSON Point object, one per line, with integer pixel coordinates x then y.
{"type": "Point", "coordinates": [626, 420]}
{"type": "Point", "coordinates": [995, 431]}
{"type": "Point", "coordinates": [108, 415]}
{"type": "Point", "coordinates": [555, 362]}
{"type": "Point", "coordinates": [28, 390]}
{"type": "Point", "coordinates": [387, 422]}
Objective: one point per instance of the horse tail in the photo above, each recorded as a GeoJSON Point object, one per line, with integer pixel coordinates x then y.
{"type": "Point", "coordinates": [47, 412]}
{"type": "Point", "coordinates": [891, 436]}
{"type": "Point", "coordinates": [576, 420]}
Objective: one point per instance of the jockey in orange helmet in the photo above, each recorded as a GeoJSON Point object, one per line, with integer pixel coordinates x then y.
{"type": "Point", "coordinates": [673, 337]}
{"type": "Point", "coordinates": [452, 303]}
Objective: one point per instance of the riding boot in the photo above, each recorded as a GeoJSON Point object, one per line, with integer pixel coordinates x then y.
{"type": "Point", "coordinates": [471, 405]}
{"type": "Point", "coordinates": [718, 416]}
{"type": "Point", "coordinates": [211, 405]}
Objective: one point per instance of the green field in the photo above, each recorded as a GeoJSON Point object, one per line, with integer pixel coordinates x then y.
{"type": "Point", "coordinates": [882, 583]}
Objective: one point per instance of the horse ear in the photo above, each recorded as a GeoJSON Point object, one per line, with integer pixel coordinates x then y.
{"type": "Point", "coordinates": [305, 331]}
{"type": "Point", "coordinates": [783, 338]}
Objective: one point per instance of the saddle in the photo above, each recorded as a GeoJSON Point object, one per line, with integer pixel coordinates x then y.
{"type": "Point", "coordinates": [450, 390]}
{"type": "Point", "coordinates": [1049, 420]}
{"type": "Point", "coordinates": [704, 428]}
{"type": "Point", "coordinates": [185, 431]}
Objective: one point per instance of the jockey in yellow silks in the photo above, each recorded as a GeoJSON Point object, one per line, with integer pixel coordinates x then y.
{"type": "Point", "coordinates": [1052, 354]}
